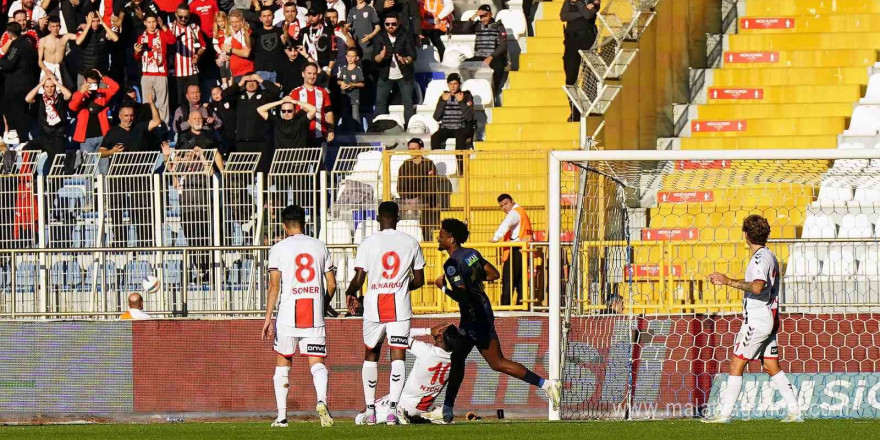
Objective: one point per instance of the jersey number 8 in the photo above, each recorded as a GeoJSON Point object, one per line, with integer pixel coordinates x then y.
{"type": "Point", "coordinates": [305, 270]}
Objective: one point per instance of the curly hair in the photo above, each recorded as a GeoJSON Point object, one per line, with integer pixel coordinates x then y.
{"type": "Point", "coordinates": [457, 229]}
{"type": "Point", "coordinates": [757, 229]}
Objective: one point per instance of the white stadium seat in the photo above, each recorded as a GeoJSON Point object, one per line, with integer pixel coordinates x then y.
{"type": "Point", "coordinates": [840, 261]}
{"type": "Point", "coordinates": [446, 164]}
{"type": "Point", "coordinates": [481, 89]}
{"type": "Point", "coordinates": [338, 232]}
{"type": "Point", "coordinates": [467, 15]}
{"type": "Point", "coordinates": [819, 226]}
{"type": "Point", "coordinates": [849, 166]}
{"type": "Point", "coordinates": [514, 21]}
{"type": "Point", "coordinates": [833, 189]}
{"type": "Point", "coordinates": [365, 229]}
{"type": "Point", "coordinates": [865, 121]}
{"type": "Point", "coordinates": [855, 226]}
{"type": "Point", "coordinates": [411, 228]}
{"type": "Point", "coordinates": [872, 94]}
{"type": "Point", "coordinates": [803, 265]}
{"type": "Point", "coordinates": [432, 94]}
{"type": "Point", "coordinates": [421, 123]}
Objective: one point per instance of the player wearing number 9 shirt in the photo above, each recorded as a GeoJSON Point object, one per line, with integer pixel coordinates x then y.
{"type": "Point", "coordinates": [300, 269]}
{"type": "Point", "coordinates": [394, 264]}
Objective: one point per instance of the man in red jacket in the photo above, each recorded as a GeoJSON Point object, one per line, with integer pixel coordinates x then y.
{"type": "Point", "coordinates": [90, 105]}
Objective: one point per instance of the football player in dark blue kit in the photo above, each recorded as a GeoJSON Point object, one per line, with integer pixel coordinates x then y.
{"type": "Point", "coordinates": [463, 275]}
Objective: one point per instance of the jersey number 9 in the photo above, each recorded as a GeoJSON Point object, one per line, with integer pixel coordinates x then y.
{"type": "Point", "coordinates": [391, 263]}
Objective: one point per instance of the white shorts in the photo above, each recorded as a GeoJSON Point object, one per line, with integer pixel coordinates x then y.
{"type": "Point", "coordinates": [757, 336]}
{"type": "Point", "coordinates": [312, 343]}
{"type": "Point", "coordinates": [397, 331]}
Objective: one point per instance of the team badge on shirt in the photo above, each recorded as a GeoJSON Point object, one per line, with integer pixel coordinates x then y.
{"type": "Point", "coordinates": [450, 270]}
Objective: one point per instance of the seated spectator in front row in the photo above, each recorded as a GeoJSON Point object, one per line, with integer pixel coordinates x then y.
{"type": "Point", "coordinates": [290, 127]}
{"type": "Point", "coordinates": [194, 104]}
{"type": "Point", "coordinates": [197, 135]}
{"type": "Point", "coordinates": [455, 112]}
{"type": "Point", "coordinates": [129, 136]}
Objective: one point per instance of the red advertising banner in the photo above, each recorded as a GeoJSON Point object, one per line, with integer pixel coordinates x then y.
{"type": "Point", "coordinates": [685, 196]}
{"type": "Point", "coordinates": [729, 93]}
{"type": "Point", "coordinates": [682, 165]}
{"type": "Point", "coordinates": [751, 57]}
{"type": "Point", "coordinates": [752, 23]}
{"type": "Point", "coordinates": [670, 234]}
{"type": "Point", "coordinates": [652, 270]}
{"type": "Point", "coordinates": [699, 126]}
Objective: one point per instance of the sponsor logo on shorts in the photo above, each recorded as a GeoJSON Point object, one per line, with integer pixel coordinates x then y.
{"type": "Point", "coordinates": [315, 348]}
{"type": "Point", "coordinates": [774, 350]}
{"type": "Point", "coordinates": [399, 340]}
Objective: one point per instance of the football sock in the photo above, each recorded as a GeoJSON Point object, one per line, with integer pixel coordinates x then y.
{"type": "Point", "coordinates": [319, 377]}
{"type": "Point", "coordinates": [731, 393]}
{"type": "Point", "coordinates": [787, 391]}
{"type": "Point", "coordinates": [398, 375]}
{"type": "Point", "coordinates": [281, 387]}
{"type": "Point", "coordinates": [533, 379]}
{"type": "Point", "coordinates": [369, 377]}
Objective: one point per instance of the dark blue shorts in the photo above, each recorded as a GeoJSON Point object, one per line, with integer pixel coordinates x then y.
{"type": "Point", "coordinates": [480, 335]}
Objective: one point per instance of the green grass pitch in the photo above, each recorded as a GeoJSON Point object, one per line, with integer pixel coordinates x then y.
{"type": "Point", "coordinates": [648, 430]}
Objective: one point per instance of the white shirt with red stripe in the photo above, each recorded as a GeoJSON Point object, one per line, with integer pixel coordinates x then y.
{"type": "Point", "coordinates": [154, 56]}
{"type": "Point", "coordinates": [302, 261]}
{"type": "Point", "coordinates": [428, 374]}
{"type": "Point", "coordinates": [189, 41]}
{"type": "Point", "coordinates": [388, 257]}
{"type": "Point", "coordinates": [320, 98]}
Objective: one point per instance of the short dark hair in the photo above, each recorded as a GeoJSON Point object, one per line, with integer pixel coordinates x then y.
{"type": "Point", "coordinates": [504, 196]}
{"type": "Point", "coordinates": [389, 210]}
{"type": "Point", "coordinates": [125, 105]}
{"type": "Point", "coordinates": [457, 229]}
{"type": "Point", "coordinates": [14, 29]}
{"type": "Point", "coordinates": [355, 49]}
{"type": "Point", "coordinates": [315, 65]}
{"type": "Point", "coordinates": [149, 14]}
{"type": "Point", "coordinates": [91, 74]}
{"type": "Point", "coordinates": [293, 214]}
{"type": "Point", "coordinates": [450, 338]}
{"type": "Point", "coordinates": [183, 7]}
{"type": "Point", "coordinates": [54, 19]}
{"type": "Point", "coordinates": [417, 141]}
{"type": "Point", "coordinates": [288, 4]}
{"type": "Point", "coordinates": [757, 229]}
{"type": "Point", "coordinates": [392, 15]}
{"type": "Point", "coordinates": [19, 11]}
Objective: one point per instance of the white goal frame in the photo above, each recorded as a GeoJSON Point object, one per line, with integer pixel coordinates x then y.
{"type": "Point", "coordinates": [557, 157]}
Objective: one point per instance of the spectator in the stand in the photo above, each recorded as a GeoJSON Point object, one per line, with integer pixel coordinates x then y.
{"type": "Point", "coordinates": [292, 23]}
{"type": "Point", "coordinates": [490, 46]}
{"type": "Point", "coordinates": [251, 130]}
{"type": "Point", "coordinates": [131, 19]}
{"type": "Point", "coordinates": [222, 32]}
{"type": "Point", "coordinates": [94, 42]}
{"type": "Point", "coordinates": [407, 12]}
{"type": "Point", "coordinates": [436, 18]}
{"type": "Point", "coordinates": [338, 6]}
{"type": "Point", "coordinates": [90, 103]}
{"type": "Point", "coordinates": [422, 188]}
{"type": "Point", "coordinates": [197, 134]}
{"type": "Point", "coordinates": [52, 48]}
{"type": "Point", "coordinates": [323, 126]}
{"type": "Point", "coordinates": [350, 79]}
{"type": "Point", "coordinates": [189, 48]}
{"type": "Point", "coordinates": [342, 38]}
{"type": "Point", "coordinates": [194, 104]}
{"type": "Point", "coordinates": [34, 12]}
{"type": "Point", "coordinates": [27, 32]}
{"type": "Point", "coordinates": [225, 111]}
{"type": "Point", "coordinates": [365, 26]}
{"type": "Point", "coordinates": [203, 13]}
{"type": "Point", "coordinates": [151, 51]}
{"type": "Point", "coordinates": [238, 47]}
{"type": "Point", "coordinates": [395, 59]}
{"type": "Point", "coordinates": [21, 71]}
{"type": "Point", "coordinates": [290, 126]}
{"type": "Point", "coordinates": [320, 44]}
{"type": "Point", "coordinates": [268, 42]}
{"type": "Point", "coordinates": [290, 73]}
{"type": "Point", "coordinates": [130, 137]}
{"type": "Point", "coordinates": [142, 112]}
{"type": "Point", "coordinates": [516, 227]}
{"type": "Point", "coordinates": [455, 113]}
{"type": "Point", "coordinates": [135, 308]}
{"type": "Point", "coordinates": [579, 17]}
{"type": "Point", "coordinates": [51, 112]}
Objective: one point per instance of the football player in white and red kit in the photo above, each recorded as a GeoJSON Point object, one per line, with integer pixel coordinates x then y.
{"type": "Point", "coordinates": [394, 264]}
{"type": "Point", "coordinates": [426, 379]}
{"type": "Point", "coordinates": [757, 336]}
{"type": "Point", "coordinates": [300, 269]}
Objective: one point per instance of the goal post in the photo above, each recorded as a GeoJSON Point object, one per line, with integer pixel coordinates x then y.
{"type": "Point", "coordinates": [636, 330]}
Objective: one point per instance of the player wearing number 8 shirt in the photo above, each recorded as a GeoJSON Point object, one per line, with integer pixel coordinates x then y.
{"type": "Point", "coordinates": [300, 269]}
{"type": "Point", "coordinates": [394, 264]}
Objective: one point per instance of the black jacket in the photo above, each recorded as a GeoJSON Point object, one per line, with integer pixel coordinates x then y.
{"type": "Point", "coordinates": [20, 66]}
{"type": "Point", "coordinates": [404, 45]}
{"type": "Point", "coordinates": [467, 111]}
{"type": "Point", "coordinates": [408, 12]}
{"type": "Point", "coordinates": [249, 126]}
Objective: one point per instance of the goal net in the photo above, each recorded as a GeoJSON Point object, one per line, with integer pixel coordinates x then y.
{"type": "Point", "coordinates": [641, 333]}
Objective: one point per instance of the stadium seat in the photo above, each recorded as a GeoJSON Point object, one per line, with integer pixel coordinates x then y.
{"type": "Point", "coordinates": [135, 272]}
{"type": "Point", "coordinates": [445, 163]}
{"type": "Point", "coordinates": [855, 226]}
{"type": "Point", "coordinates": [421, 123]}
{"type": "Point", "coordinates": [397, 161]}
{"type": "Point", "coordinates": [514, 21]}
{"type": "Point", "coordinates": [109, 271]}
{"type": "Point", "coordinates": [58, 274]}
{"type": "Point", "coordinates": [819, 226]}
{"type": "Point", "coordinates": [26, 276]}
{"type": "Point", "coordinates": [868, 194]}
{"type": "Point", "coordinates": [834, 189]}
{"type": "Point", "coordinates": [840, 262]}
{"type": "Point", "coordinates": [364, 230]}
{"type": "Point", "coordinates": [396, 117]}
{"type": "Point", "coordinates": [425, 58]}
{"type": "Point", "coordinates": [172, 272]}
{"type": "Point", "coordinates": [467, 15]}
{"type": "Point", "coordinates": [338, 232]}
{"type": "Point", "coordinates": [482, 91]}
{"type": "Point", "coordinates": [865, 121]}
{"type": "Point", "coordinates": [432, 95]}
{"type": "Point", "coordinates": [803, 265]}
{"type": "Point", "coordinates": [872, 94]}
{"type": "Point", "coordinates": [411, 228]}
{"type": "Point", "coordinates": [869, 263]}
{"type": "Point", "coordinates": [5, 277]}
{"type": "Point", "coordinates": [849, 166]}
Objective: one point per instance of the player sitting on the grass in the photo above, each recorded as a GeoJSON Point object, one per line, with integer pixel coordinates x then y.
{"type": "Point", "coordinates": [757, 336]}
{"type": "Point", "coordinates": [426, 379]}
{"type": "Point", "coordinates": [394, 263]}
{"type": "Point", "coordinates": [296, 266]}
{"type": "Point", "coordinates": [465, 271]}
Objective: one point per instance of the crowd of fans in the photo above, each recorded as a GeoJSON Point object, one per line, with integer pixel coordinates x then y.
{"type": "Point", "coordinates": [236, 75]}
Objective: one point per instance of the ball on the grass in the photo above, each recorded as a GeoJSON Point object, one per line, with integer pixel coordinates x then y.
{"type": "Point", "coordinates": [150, 284]}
